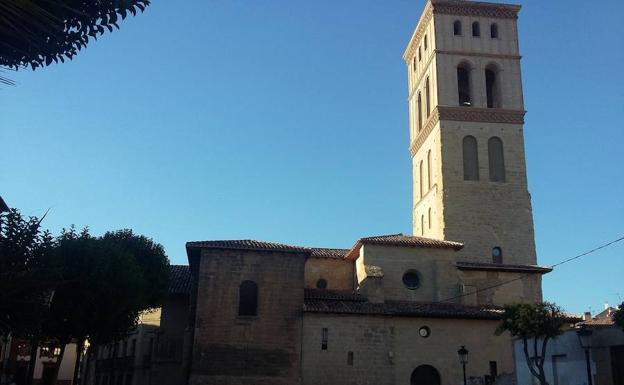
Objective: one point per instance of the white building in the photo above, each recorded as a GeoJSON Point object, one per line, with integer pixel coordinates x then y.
{"type": "Point", "coordinates": [566, 364]}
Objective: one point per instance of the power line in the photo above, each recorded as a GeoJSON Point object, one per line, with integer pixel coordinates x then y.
{"type": "Point", "coordinates": [527, 274]}
{"type": "Point", "coordinates": [588, 252]}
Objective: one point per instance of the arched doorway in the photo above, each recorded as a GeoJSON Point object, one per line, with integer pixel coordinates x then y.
{"type": "Point", "coordinates": [425, 375]}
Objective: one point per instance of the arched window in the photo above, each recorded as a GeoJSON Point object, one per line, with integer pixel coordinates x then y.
{"type": "Point", "coordinates": [429, 218]}
{"type": "Point", "coordinates": [427, 97]}
{"type": "Point", "coordinates": [497, 255]}
{"type": "Point", "coordinates": [422, 225]}
{"type": "Point", "coordinates": [428, 170]}
{"type": "Point", "coordinates": [414, 64]}
{"type": "Point", "coordinates": [494, 31]}
{"type": "Point", "coordinates": [419, 54]}
{"type": "Point", "coordinates": [457, 28]}
{"type": "Point", "coordinates": [419, 112]}
{"type": "Point", "coordinates": [426, 42]}
{"type": "Point", "coordinates": [496, 158]}
{"type": "Point", "coordinates": [471, 158]}
{"type": "Point", "coordinates": [425, 375]}
{"type": "Point", "coordinates": [420, 179]}
{"type": "Point", "coordinates": [492, 87]}
{"type": "Point", "coordinates": [248, 299]}
{"type": "Point", "coordinates": [463, 85]}
{"type": "Point", "coordinates": [476, 29]}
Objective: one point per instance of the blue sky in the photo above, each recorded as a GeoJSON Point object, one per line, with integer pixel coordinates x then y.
{"type": "Point", "coordinates": [286, 120]}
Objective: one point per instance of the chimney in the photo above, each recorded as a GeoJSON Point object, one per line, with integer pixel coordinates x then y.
{"type": "Point", "coordinates": [606, 305]}
{"type": "Point", "coordinates": [587, 316]}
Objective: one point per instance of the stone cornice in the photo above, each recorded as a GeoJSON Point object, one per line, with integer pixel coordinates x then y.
{"type": "Point", "coordinates": [433, 189]}
{"type": "Point", "coordinates": [527, 269]}
{"type": "Point", "coordinates": [469, 8]}
{"type": "Point", "coordinates": [460, 8]}
{"type": "Point", "coordinates": [479, 54]}
{"type": "Point", "coordinates": [419, 32]}
{"type": "Point", "coordinates": [434, 118]}
{"type": "Point", "coordinates": [485, 115]}
{"type": "Point", "coordinates": [465, 114]}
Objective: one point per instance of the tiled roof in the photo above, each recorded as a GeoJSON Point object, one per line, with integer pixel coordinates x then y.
{"type": "Point", "coordinates": [604, 321]}
{"type": "Point", "coordinates": [501, 267]}
{"type": "Point", "coordinates": [179, 279]}
{"type": "Point", "coordinates": [336, 295]}
{"type": "Point", "coordinates": [247, 244]}
{"type": "Point", "coordinates": [316, 252]}
{"type": "Point", "coordinates": [401, 308]}
{"type": "Point", "coordinates": [328, 253]}
{"type": "Point", "coordinates": [402, 241]}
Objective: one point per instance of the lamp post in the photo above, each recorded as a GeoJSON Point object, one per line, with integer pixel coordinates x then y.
{"type": "Point", "coordinates": [462, 353]}
{"type": "Point", "coordinates": [584, 334]}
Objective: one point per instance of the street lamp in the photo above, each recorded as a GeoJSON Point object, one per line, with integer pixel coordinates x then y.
{"type": "Point", "coordinates": [462, 353]}
{"type": "Point", "coordinates": [584, 334]}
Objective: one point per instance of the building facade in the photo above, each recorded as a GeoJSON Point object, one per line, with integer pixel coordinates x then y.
{"type": "Point", "coordinates": [16, 359]}
{"type": "Point", "coordinates": [566, 363]}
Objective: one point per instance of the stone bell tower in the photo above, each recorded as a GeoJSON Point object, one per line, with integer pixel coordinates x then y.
{"type": "Point", "coordinates": [466, 122]}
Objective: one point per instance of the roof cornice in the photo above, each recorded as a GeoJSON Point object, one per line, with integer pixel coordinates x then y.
{"type": "Point", "coordinates": [526, 269]}
{"type": "Point", "coordinates": [459, 8]}
{"type": "Point", "coordinates": [400, 240]}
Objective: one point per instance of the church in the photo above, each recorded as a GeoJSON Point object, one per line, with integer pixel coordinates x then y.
{"type": "Point", "coordinates": [394, 308]}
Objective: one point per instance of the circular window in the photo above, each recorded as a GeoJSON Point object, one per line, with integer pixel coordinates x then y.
{"type": "Point", "coordinates": [321, 284]}
{"type": "Point", "coordinates": [411, 279]}
{"type": "Point", "coordinates": [424, 331]}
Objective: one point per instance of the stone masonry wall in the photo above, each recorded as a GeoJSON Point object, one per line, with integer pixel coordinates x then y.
{"type": "Point", "coordinates": [485, 214]}
{"type": "Point", "coordinates": [386, 350]}
{"type": "Point", "coordinates": [231, 349]}
{"type": "Point", "coordinates": [337, 272]}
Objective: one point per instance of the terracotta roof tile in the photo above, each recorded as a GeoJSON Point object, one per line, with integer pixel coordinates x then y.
{"type": "Point", "coordinates": [402, 308]}
{"type": "Point", "coordinates": [503, 267]}
{"type": "Point", "coordinates": [337, 295]}
{"type": "Point", "coordinates": [604, 321]}
{"type": "Point", "coordinates": [402, 241]}
{"type": "Point", "coordinates": [179, 279]}
{"type": "Point", "coordinates": [247, 244]}
{"type": "Point", "coordinates": [328, 253]}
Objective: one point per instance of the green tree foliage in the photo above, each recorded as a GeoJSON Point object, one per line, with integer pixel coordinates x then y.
{"type": "Point", "coordinates": [618, 316]}
{"type": "Point", "coordinates": [26, 279]}
{"type": "Point", "coordinates": [36, 33]}
{"type": "Point", "coordinates": [535, 324]}
{"type": "Point", "coordinates": [151, 260]}
{"type": "Point", "coordinates": [75, 286]}
{"type": "Point", "coordinates": [107, 282]}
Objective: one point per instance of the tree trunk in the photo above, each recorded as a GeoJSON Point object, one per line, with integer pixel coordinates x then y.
{"type": "Point", "coordinates": [527, 356]}
{"type": "Point", "coordinates": [59, 360]}
{"type": "Point", "coordinates": [79, 349]}
{"type": "Point", "coordinates": [34, 346]}
{"type": "Point", "coordinates": [6, 340]}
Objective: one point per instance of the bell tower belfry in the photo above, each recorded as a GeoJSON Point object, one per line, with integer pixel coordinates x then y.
{"type": "Point", "coordinates": [466, 117]}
